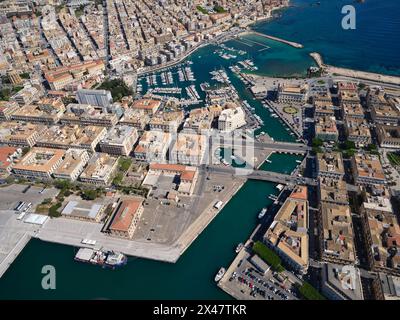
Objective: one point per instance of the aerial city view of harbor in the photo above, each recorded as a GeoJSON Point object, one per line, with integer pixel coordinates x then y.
{"type": "Point", "coordinates": [191, 150]}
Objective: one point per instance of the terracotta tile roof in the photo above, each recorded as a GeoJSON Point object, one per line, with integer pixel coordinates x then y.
{"type": "Point", "coordinates": [125, 214]}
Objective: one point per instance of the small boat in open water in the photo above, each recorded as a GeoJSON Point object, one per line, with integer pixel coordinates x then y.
{"type": "Point", "coordinates": [220, 274]}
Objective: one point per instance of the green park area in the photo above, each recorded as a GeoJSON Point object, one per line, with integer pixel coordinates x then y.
{"type": "Point", "coordinates": [290, 110]}
{"type": "Point", "coordinates": [117, 88]}
{"type": "Point", "coordinates": [308, 292]}
{"type": "Point", "coordinates": [202, 10]}
{"type": "Point", "coordinates": [394, 158]}
{"type": "Point", "coordinates": [269, 256]}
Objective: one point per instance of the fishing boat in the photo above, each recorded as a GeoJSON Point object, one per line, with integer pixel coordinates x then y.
{"type": "Point", "coordinates": [220, 274]}
{"type": "Point", "coordinates": [103, 258]}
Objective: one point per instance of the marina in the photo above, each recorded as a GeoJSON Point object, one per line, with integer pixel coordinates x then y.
{"type": "Point", "coordinates": [170, 278]}
{"type": "Point", "coordinates": [201, 246]}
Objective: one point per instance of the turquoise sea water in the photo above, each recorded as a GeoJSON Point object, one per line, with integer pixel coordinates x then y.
{"type": "Point", "coordinates": [272, 59]}
{"type": "Point", "coordinates": [190, 278]}
{"type": "Point", "coordinates": [374, 45]}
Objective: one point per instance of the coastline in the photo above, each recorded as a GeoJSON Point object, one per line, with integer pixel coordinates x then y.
{"type": "Point", "coordinates": [226, 36]}
{"type": "Point", "coordinates": [357, 74]}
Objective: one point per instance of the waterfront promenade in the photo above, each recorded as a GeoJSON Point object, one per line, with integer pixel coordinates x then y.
{"type": "Point", "coordinates": [356, 74]}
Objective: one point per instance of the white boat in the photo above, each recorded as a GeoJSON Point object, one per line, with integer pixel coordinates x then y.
{"type": "Point", "coordinates": [298, 161]}
{"type": "Point", "coordinates": [280, 187]}
{"type": "Point", "coordinates": [262, 213]}
{"type": "Point", "coordinates": [239, 247]}
{"type": "Point", "coordinates": [272, 197]}
{"type": "Point", "coordinates": [115, 259]}
{"type": "Point", "coordinates": [220, 274]}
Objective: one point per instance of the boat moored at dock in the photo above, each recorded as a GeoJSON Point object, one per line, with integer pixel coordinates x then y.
{"type": "Point", "coordinates": [262, 213]}
{"type": "Point", "coordinates": [239, 247]}
{"type": "Point", "coordinates": [103, 258]}
{"type": "Point", "coordinates": [220, 274]}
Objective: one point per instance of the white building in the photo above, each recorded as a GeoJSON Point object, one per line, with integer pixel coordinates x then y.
{"type": "Point", "coordinates": [101, 98]}
{"type": "Point", "coordinates": [119, 140]}
{"type": "Point", "coordinates": [189, 149]}
{"type": "Point", "coordinates": [231, 119]}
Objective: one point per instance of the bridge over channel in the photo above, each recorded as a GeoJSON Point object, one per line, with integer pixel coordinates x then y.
{"type": "Point", "coordinates": [262, 175]}
{"type": "Point", "coordinates": [288, 147]}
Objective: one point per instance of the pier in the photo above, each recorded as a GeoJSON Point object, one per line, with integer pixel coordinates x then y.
{"type": "Point", "coordinates": [13, 254]}
{"type": "Point", "coordinates": [290, 43]}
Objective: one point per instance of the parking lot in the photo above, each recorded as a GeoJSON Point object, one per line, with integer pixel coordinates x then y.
{"type": "Point", "coordinates": [165, 221]}
{"type": "Point", "coordinates": [11, 195]}
{"type": "Point", "coordinates": [244, 281]}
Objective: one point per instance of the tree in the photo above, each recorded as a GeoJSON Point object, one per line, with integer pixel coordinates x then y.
{"type": "Point", "coordinates": [124, 164]}
{"type": "Point", "coordinates": [349, 145]}
{"type": "Point", "coordinates": [117, 87]}
{"type": "Point", "coordinates": [46, 201]}
{"type": "Point", "coordinates": [268, 256]}
{"type": "Point", "coordinates": [118, 179]}
{"type": "Point", "coordinates": [219, 9]}
{"type": "Point", "coordinates": [309, 292]}
{"type": "Point", "coordinates": [89, 194]}
{"type": "Point", "coordinates": [53, 210]}
{"type": "Point", "coordinates": [25, 151]}
{"type": "Point", "coordinates": [317, 142]}
{"type": "Point", "coordinates": [62, 184]}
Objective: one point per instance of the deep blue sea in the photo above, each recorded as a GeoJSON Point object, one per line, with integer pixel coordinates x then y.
{"type": "Point", "coordinates": [373, 46]}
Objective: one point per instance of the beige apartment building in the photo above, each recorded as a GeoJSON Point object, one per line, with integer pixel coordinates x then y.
{"type": "Point", "coordinates": [367, 169]}
{"type": "Point", "coordinates": [153, 146]}
{"type": "Point", "coordinates": [20, 134]}
{"type": "Point", "coordinates": [135, 118]}
{"type": "Point", "coordinates": [100, 169]}
{"type": "Point", "coordinates": [325, 129]}
{"type": "Point", "coordinates": [86, 114]}
{"type": "Point", "coordinates": [149, 106]}
{"type": "Point", "coordinates": [62, 77]}
{"type": "Point", "coordinates": [167, 121]}
{"type": "Point", "coordinates": [382, 232]}
{"type": "Point", "coordinates": [231, 119]}
{"type": "Point", "coordinates": [7, 108]}
{"type": "Point", "coordinates": [288, 233]}
{"type": "Point", "coordinates": [189, 148]}
{"type": "Point", "coordinates": [72, 136]}
{"type": "Point", "coordinates": [357, 130]}
{"type": "Point", "coordinates": [330, 165]}
{"type": "Point", "coordinates": [336, 234]}
{"type": "Point", "coordinates": [332, 191]}
{"type": "Point", "coordinates": [72, 165]}
{"type": "Point", "coordinates": [388, 136]}
{"type": "Point", "coordinates": [39, 113]}
{"type": "Point", "coordinates": [39, 163]}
